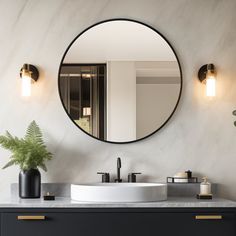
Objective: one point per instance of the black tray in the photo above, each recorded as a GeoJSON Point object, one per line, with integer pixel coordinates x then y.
{"type": "Point", "coordinates": [177, 180]}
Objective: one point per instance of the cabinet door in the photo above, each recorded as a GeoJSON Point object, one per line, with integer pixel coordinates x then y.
{"type": "Point", "coordinates": [217, 224]}
{"type": "Point", "coordinates": [116, 224]}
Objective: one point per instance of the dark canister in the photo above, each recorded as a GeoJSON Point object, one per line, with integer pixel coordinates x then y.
{"type": "Point", "coordinates": [30, 183]}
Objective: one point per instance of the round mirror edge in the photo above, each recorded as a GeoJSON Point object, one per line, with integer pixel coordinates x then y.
{"type": "Point", "coordinates": [180, 69]}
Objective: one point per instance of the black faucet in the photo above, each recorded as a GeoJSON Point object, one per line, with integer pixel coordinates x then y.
{"type": "Point", "coordinates": [118, 179]}
{"type": "Point", "coordinates": [106, 176]}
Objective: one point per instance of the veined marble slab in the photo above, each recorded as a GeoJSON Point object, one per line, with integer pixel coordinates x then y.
{"type": "Point", "coordinates": [200, 136]}
{"type": "Point", "coordinates": [175, 202]}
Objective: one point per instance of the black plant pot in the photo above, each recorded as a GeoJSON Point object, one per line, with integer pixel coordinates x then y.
{"type": "Point", "coordinates": [30, 184]}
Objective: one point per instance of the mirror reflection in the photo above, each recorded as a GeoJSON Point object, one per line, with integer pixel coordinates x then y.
{"type": "Point", "coordinates": [120, 81]}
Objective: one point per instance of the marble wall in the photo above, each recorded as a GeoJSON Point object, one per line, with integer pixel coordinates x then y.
{"type": "Point", "coordinates": [200, 136]}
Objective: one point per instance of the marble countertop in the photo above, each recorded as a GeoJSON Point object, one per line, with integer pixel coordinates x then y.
{"type": "Point", "coordinates": [175, 202]}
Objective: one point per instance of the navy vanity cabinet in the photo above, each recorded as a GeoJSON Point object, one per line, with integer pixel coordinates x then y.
{"type": "Point", "coordinates": [117, 222]}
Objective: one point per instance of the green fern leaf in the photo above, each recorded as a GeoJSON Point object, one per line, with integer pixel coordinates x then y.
{"type": "Point", "coordinates": [29, 152]}
{"type": "Point", "coordinates": [10, 163]}
{"type": "Point", "coordinates": [34, 134]}
{"type": "Point", "coordinates": [43, 167]}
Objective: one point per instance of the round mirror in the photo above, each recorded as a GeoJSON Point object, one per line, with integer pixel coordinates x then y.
{"type": "Point", "coordinates": [120, 81]}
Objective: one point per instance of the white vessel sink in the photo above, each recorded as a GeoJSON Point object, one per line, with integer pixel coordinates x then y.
{"type": "Point", "coordinates": [119, 192]}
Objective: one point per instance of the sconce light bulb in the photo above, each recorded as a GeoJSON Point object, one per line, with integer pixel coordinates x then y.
{"type": "Point", "coordinates": [26, 84]}
{"type": "Point", "coordinates": [210, 86]}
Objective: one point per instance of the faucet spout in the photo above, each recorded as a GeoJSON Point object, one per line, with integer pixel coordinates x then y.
{"type": "Point", "coordinates": [118, 179]}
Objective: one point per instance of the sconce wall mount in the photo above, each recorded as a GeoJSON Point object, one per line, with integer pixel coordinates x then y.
{"type": "Point", "coordinates": [202, 73]}
{"type": "Point", "coordinates": [32, 70]}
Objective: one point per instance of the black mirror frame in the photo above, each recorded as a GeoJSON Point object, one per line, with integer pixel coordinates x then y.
{"type": "Point", "coordinates": [123, 19]}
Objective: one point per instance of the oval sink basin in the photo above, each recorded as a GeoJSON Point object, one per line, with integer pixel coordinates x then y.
{"type": "Point", "coordinates": [119, 192]}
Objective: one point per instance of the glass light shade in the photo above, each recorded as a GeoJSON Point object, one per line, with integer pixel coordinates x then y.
{"type": "Point", "coordinates": [210, 85]}
{"type": "Point", "coordinates": [26, 84]}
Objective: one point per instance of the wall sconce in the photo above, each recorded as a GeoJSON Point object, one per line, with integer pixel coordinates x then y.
{"type": "Point", "coordinates": [29, 74]}
{"type": "Point", "coordinates": [207, 75]}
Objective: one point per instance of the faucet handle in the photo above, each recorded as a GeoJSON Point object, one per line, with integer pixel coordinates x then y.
{"type": "Point", "coordinates": [132, 177]}
{"type": "Point", "coordinates": [105, 177]}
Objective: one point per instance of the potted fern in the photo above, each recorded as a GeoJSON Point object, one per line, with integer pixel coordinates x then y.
{"type": "Point", "coordinates": [30, 153]}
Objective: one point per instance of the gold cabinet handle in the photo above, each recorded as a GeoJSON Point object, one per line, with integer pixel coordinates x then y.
{"type": "Point", "coordinates": [209, 217]}
{"type": "Point", "coordinates": [31, 217]}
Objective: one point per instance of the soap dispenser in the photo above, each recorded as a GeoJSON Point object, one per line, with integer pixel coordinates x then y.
{"type": "Point", "coordinates": [205, 187]}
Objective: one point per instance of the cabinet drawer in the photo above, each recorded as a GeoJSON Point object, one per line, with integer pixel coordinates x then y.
{"type": "Point", "coordinates": [117, 224]}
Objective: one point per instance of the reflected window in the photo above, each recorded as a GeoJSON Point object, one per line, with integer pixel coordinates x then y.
{"type": "Point", "coordinates": [83, 91]}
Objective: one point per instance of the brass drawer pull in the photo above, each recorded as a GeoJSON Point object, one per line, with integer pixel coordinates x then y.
{"type": "Point", "coordinates": [31, 217]}
{"type": "Point", "coordinates": [208, 217]}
